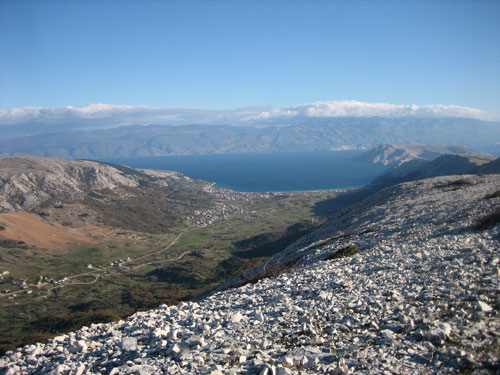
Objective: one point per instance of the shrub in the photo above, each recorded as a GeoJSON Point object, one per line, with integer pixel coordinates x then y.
{"type": "Point", "coordinates": [489, 220]}
{"type": "Point", "coordinates": [347, 251]}
{"type": "Point", "coordinates": [461, 182]}
{"type": "Point", "coordinates": [495, 194]}
{"type": "Point", "coordinates": [8, 243]}
{"type": "Point", "coordinates": [458, 184]}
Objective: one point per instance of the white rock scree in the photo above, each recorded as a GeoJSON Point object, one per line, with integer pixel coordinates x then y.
{"type": "Point", "coordinates": [420, 297]}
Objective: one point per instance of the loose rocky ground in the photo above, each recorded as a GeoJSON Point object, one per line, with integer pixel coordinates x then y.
{"type": "Point", "coordinates": [419, 297]}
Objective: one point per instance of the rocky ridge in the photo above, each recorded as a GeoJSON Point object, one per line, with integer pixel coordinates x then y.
{"type": "Point", "coordinates": [396, 154]}
{"type": "Point", "coordinates": [417, 295]}
{"type": "Point", "coordinates": [27, 181]}
{"type": "Point", "coordinates": [447, 164]}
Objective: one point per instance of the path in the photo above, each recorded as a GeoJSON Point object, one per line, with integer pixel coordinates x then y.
{"type": "Point", "coordinates": [98, 272]}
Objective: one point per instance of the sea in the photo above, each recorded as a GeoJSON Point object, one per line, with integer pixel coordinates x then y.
{"type": "Point", "coordinates": [267, 172]}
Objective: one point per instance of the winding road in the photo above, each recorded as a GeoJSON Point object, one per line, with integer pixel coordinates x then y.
{"type": "Point", "coordinates": [101, 271]}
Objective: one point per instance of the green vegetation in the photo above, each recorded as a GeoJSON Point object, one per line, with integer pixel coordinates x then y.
{"type": "Point", "coordinates": [347, 251]}
{"type": "Point", "coordinates": [143, 263]}
{"type": "Point", "coordinates": [11, 244]}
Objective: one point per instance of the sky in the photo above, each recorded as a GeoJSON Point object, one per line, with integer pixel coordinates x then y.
{"type": "Point", "coordinates": [235, 54]}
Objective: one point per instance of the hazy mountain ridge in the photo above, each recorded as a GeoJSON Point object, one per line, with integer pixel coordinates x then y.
{"type": "Point", "coordinates": [298, 134]}
{"type": "Point", "coordinates": [397, 154]}
{"type": "Point", "coordinates": [492, 167]}
{"type": "Point", "coordinates": [414, 294]}
{"type": "Point", "coordinates": [447, 164]}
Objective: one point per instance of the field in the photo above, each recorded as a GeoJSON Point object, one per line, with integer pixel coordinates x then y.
{"type": "Point", "coordinates": [26, 227]}
{"type": "Point", "coordinates": [81, 268]}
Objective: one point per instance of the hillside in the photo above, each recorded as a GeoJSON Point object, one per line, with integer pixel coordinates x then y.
{"type": "Point", "coordinates": [82, 193]}
{"type": "Point", "coordinates": [27, 182]}
{"type": "Point", "coordinates": [279, 135]}
{"type": "Point", "coordinates": [403, 282]}
{"type": "Point", "coordinates": [397, 154]}
{"type": "Point", "coordinates": [492, 167]}
{"type": "Point", "coordinates": [443, 165]}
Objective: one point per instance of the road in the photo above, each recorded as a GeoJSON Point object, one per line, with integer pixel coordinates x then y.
{"type": "Point", "coordinates": [101, 271]}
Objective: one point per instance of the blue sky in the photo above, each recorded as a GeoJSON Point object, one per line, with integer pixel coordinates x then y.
{"type": "Point", "coordinates": [231, 54]}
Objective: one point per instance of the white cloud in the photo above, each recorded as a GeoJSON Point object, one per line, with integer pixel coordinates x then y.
{"type": "Point", "coordinates": [106, 115]}
{"type": "Point", "coordinates": [54, 115]}
{"type": "Point", "coordinates": [110, 115]}
{"type": "Point", "coordinates": [352, 108]}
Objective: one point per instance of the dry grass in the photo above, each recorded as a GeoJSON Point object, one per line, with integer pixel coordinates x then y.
{"type": "Point", "coordinates": [25, 227]}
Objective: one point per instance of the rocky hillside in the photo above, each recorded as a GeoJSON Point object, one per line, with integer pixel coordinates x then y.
{"type": "Point", "coordinates": [80, 193]}
{"type": "Point", "coordinates": [442, 166]}
{"type": "Point", "coordinates": [397, 154]}
{"type": "Point", "coordinates": [27, 182]}
{"type": "Point", "coordinates": [403, 282]}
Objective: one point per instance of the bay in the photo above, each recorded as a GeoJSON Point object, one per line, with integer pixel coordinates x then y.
{"type": "Point", "coordinates": [261, 172]}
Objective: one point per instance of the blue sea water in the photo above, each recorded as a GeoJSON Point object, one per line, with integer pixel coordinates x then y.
{"type": "Point", "coordinates": [259, 172]}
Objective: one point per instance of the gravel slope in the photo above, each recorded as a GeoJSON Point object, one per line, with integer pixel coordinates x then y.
{"type": "Point", "coordinates": [420, 297]}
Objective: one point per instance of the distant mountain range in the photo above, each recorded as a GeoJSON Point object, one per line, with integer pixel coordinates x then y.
{"type": "Point", "coordinates": [293, 134]}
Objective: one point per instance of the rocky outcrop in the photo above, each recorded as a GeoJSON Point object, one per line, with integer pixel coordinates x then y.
{"type": "Point", "coordinates": [27, 182]}
{"type": "Point", "coordinates": [402, 282]}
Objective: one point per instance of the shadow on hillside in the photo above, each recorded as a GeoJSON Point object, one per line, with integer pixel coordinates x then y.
{"type": "Point", "coordinates": [268, 244]}
{"type": "Point", "coordinates": [329, 207]}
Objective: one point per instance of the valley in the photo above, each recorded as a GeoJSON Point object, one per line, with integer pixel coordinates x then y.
{"type": "Point", "coordinates": [107, 253]}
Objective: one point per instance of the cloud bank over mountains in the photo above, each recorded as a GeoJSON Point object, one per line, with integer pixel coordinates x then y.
{"type": "Point", "coordinates": [352, 108]}
{"type": "Point", "coordinates": [112, 115]}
